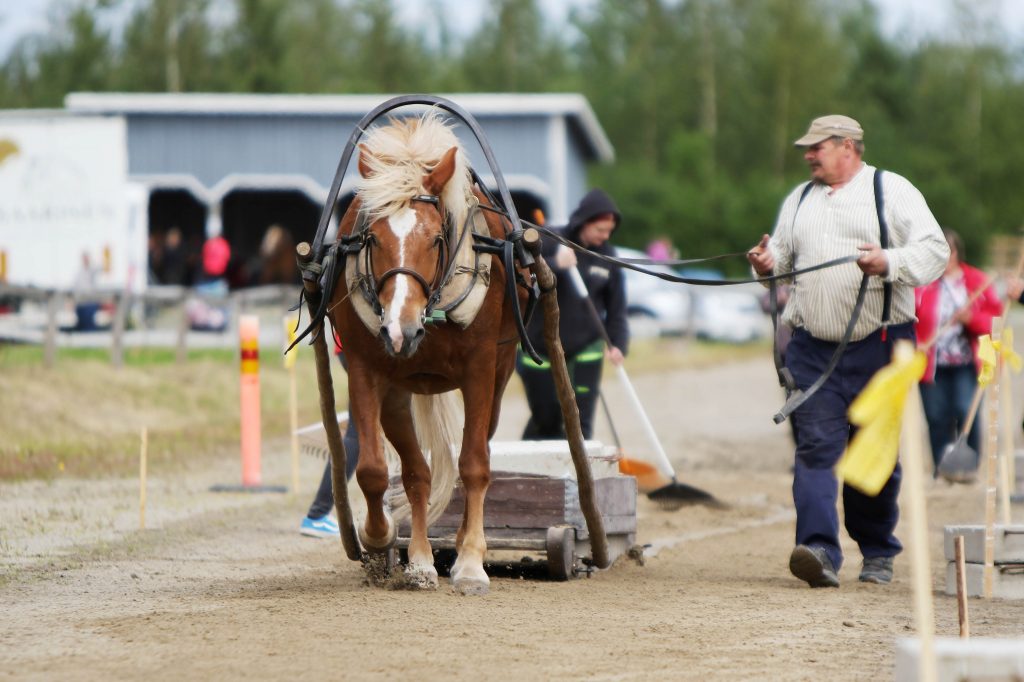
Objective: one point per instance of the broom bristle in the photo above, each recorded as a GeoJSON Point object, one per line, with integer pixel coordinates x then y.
{"type": "Point", "coordinates": [647, 477]}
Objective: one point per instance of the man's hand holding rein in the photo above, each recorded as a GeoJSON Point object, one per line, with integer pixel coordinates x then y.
{"type": "Point", "coordinates": [761, 257]}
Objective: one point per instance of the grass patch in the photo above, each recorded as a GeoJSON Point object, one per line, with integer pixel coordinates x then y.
{"type": "Point", "coordinates": [83, 417]}
{"type": "Point", "coordinates": [12, 355]}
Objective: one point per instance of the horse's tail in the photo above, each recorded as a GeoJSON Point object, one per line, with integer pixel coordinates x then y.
{"type": "Point", "coordinates": [438, 421]}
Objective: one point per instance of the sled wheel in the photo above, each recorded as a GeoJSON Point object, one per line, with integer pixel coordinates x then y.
{"type": "Point", "coordinates": [561, 550]}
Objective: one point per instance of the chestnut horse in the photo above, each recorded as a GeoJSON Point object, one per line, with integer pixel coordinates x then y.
{"type": "Point", "coordinates": [415, 189]}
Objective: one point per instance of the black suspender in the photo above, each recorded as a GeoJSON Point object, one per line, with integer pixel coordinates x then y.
{"type": "Point", "coordinates": [883, 239]}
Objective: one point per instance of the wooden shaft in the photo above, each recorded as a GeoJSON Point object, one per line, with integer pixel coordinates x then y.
{"type": "Point", "coordinates": [567, 400]}
{"type": "Point", "coordinates": [961, 587]}
{"type": "Point", "coordinates": [972, 413]}
{"type": "Point", "coordinates": [335, 443]}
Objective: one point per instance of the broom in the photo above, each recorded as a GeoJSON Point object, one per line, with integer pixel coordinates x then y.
{"type": "Point", "coordinates": [658, 479]}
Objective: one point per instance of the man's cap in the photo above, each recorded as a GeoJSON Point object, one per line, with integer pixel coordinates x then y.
{"type": "Point", "coordinates": [829, 126]}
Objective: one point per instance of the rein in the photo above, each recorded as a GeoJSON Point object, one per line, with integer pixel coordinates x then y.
{"type": "Point", "coordinates": [632, 263]}
{"type": "Point", "coordinates": [794, 396]}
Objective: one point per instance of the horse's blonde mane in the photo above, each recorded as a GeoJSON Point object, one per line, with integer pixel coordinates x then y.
{"type": "Point", "coordinates": [400, 153]}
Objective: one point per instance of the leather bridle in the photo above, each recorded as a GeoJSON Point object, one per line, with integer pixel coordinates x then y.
{"type": "Point", "coordinates": [430, 289]}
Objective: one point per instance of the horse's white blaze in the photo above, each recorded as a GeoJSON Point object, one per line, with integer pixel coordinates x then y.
{"type": "Point", "coordinates": [402, 224]}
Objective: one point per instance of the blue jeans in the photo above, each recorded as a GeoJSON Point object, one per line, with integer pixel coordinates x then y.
{"type": "Point", "coordinates": [947, 400]}
{"type": "Point", "coordinates": [822, 433]}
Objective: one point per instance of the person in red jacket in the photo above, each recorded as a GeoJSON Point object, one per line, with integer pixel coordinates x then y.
{"type": "Point", "coordinates": [952, 375]}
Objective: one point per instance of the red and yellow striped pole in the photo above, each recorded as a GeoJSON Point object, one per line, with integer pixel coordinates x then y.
{"type": "Point", "coordinates": [249, 333]}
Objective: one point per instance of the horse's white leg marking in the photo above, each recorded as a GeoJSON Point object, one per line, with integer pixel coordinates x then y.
{"type": "Point", "coordinates": [402, 225]}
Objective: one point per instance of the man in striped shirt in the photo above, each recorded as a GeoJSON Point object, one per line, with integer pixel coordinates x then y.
{"type": "Point", "coordinates": [832, 216]}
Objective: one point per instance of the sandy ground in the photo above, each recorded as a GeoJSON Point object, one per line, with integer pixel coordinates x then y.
{"type": "Point", "coordinates": [222, 586]}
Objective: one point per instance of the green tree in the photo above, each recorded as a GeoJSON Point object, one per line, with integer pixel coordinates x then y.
{"type": "Point", "coordinates": [167, 46]}
{"type": "Point", "coordinates": [75, 54]}
{"type": "Point", "coordinates": [513, 51]}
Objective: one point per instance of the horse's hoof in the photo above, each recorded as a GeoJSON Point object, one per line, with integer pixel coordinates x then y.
{"type": "Point", "coordinates": [471, 586]}
{"type": "Point", "coordinates": [421, 577]}
{"type": "Point", "coordinates": [376, 545]}
{"type": "Point", "coordinates": [379, 566]}
{"type": "Point", "coordinates": [469, 579]}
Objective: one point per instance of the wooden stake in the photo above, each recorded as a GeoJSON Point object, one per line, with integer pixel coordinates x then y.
{"type": "Point", "coordinates": [290, 323]}
{"type": "Point", "coordinates": [294, 421]}
{"type": "Point", "coordinates": [917, 515]}
{"type": "Point", "coordinates": [142, 478]}
{"type": "Point", "coordinates": [961, 587]}
{"type": "Point", "coordinates": [1008, 426]}
{"type": "Point", "coordinates": [991, 459]}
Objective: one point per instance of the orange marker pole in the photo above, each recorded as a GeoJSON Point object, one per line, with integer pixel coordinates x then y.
{"type": "Point", "coordinates": [249, 332]}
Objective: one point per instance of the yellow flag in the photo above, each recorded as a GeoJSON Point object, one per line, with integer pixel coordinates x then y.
{"type": "Point", "coordinates": [987, 355]}
{"type": "Point", "coordinates": [990, 352]}
{"type": "Point", "coordinates": [289, 335]}
{"type": "Point", "coordinates": [871, 457]}
{"type": "Point", "coordinates": [1005, 347]}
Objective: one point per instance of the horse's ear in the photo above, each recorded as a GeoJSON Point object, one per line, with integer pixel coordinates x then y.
{"type": "Point", "coordinates": [436, 179]}
{"type": "Point", "coordinates": [364, 162]}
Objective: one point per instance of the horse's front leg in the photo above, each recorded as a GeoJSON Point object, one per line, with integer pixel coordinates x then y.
{"type": "Point", "coordinates": [378, 533]}
{"type": "Point", "coordinates": [468, 575]}
{"type": "Point", "coordinates": [397, 420]}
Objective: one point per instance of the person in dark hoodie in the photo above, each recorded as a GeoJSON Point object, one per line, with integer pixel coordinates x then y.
{"type": "Point", "coordinates": [590, 225]}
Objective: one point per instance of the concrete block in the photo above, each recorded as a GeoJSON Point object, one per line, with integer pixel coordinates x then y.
{"type": "Point", "coordinates": [1009, 543]}
{"type": "Point", "coordinates": [963, 659]}
{"type": "Point", "coordinates": [551, 458]}
{"type": "Point", "coordinates": [1007, 580]}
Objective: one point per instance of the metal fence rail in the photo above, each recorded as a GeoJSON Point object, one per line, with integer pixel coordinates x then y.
{"type": "Point", "coordinates": [157, 317]}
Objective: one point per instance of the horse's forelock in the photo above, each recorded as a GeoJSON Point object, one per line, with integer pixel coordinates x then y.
{"type": "Point", "coordinates": [399, 154]}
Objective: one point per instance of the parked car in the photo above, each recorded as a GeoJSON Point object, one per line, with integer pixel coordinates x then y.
{"type": "Point", "coordinates": [655, 307]}
{"type": "Point", "coordinates": [730, 315]}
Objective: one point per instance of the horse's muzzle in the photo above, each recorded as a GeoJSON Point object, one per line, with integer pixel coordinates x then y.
{"type": "Point", "coordinates": [402, 340]}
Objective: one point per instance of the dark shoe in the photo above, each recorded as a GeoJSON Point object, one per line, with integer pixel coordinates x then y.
{"type": "Point", "coordinates": [877, 570]}
{"type": "Point", "coordinates": [812, 565]}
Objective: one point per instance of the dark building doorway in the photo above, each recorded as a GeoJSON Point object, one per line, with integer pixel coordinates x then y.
{"type": "Point", "coordinates": [177, 229]}
{"type": "Point", "coordinates": [269, 220]}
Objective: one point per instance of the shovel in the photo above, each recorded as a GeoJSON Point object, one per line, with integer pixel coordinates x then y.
{"type": "Point", "coordinates": [959, 461]}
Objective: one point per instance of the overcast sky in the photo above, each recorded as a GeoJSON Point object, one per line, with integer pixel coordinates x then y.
{"type": "Point", "coordinates": [911, 18]}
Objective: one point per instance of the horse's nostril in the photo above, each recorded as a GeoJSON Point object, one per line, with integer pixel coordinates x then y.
{"type": "Point", "coordinates": [420, 332]}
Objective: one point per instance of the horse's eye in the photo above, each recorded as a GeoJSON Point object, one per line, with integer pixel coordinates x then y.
{"type": "Point", "coordinates": [438, 240]}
